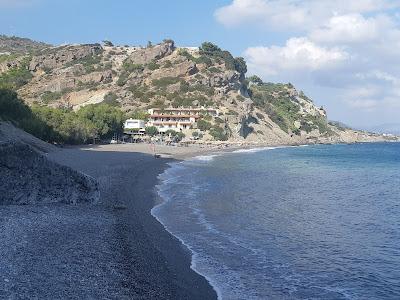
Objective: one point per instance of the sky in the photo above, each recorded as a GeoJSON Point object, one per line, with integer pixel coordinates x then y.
{"type": "Point", "coordinates": [344, 54]}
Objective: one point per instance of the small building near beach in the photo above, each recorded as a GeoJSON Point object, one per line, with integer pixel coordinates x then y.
{"type": "Point", "coordinates": [134, 126]}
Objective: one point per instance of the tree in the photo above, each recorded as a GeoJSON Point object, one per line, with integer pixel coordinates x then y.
{"type": "Point", "coordinates": [209, 48]}
{"type": "Point", "coordinates": [108, 43]}
{"type": "Point", "coordinates": [179, 136]}
{"type": "Point", "coordinates": [203, 125]}
{"type": "Point", "coordinates": [171, 132]}
{"type": "Point", "coordinates": [218, 133]}
{"type": "Point", "coordinates": [240, 65]}
{"type": "Point", "coordinates": [255, 79]}
{"type": "Point", "coordinates": [111, 99]}
{"type": "Point", "coordinates": [139, 115]}
{"type": "Point", "coordinates": [151, 130]}
{"type": "Point", "coordinates": [106, 119]}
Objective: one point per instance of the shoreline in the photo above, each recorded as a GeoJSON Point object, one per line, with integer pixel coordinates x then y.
{"type": "Point", "coordinates": [164, 262]}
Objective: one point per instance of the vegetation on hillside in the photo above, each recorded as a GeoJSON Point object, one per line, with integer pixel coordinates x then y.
{"type": "Point", "coordinates": [14, 44]}
{"type": "Point", "coordinates": [275, 100]}
{"type": "Point", "coordinates": [61, 125]}
{"type": "Point", "coordinates": [16, 77]}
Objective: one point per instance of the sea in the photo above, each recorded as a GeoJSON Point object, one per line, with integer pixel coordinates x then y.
{"type": "Point", "coordinates": [312, 222]}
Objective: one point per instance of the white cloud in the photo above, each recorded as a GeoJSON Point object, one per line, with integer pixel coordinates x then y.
{"type": "Point", "coordinates": [274, 13]}
{"type": "Point", "coordinates": [346, 52]}
{"type": "Point", "coordinates": [298, 54]}
{"type": "Point", "coordinates": [351, 28]}
{"type": "Point", "coordinates": [363, 103]}
{"type": "Point", "coordinates": [294, 14]}
{"type": "Point", "coordinates": [363, 92]}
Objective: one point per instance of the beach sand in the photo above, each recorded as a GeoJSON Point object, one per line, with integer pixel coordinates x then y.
{"type": "Point", "coordinates": [114, 249]}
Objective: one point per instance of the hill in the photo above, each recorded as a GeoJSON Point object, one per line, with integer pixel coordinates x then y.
{"type": "Point", "coordinates": [134, 79]}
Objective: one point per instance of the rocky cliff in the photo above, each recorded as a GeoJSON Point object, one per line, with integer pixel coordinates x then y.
{"type": "Point", "coordinates": [136, 78]}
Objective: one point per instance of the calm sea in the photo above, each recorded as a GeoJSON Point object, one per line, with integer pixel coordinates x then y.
{"type": "Point", "coordinates": [316, 222]}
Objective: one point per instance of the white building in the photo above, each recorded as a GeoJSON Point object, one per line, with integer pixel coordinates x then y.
{"type": "Point", "coordinates": [132, 126]}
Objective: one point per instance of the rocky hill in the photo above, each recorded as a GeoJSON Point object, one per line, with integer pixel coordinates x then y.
{"type": "Point", "coordinates": [19, 45]}
{"type": "Point", "coordinates": [163, 75]}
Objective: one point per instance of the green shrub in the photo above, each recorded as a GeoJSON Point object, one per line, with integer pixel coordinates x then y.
{"type": "Point", "coordinates": [89, 62]}
{"type": "Point", "coordinates": [122, 79]}
{"type": "Point", "coordinates": [131, 67]}
{"type": "Point", "coordinates": [218, 133]}
{"type": "Point", "coordinates": [111, 99]}
{"type": "Point", "coordinates": [209, 91]}
{"type": "Point", "coordinates": [255, 79]}
{"type": "Point", "coordinates": [61, 125]}
{"type": "Point", "coordinates": [240, 65]}
{"type": "Point", "coordinates": [179, 101]}
{"type": "Point", "coordinates": [167, 64]}
{"type": "Point", "coordinates": [165, 81]}
{"type": "Point", "coordinates": [15, 78]}
{"type": "Point", "coordinates": [13, 109]}
{"type": "Point", "coordinates": [179, 136]}
{"type": "Point", "coordinates": [48, 96]}
{"type": "Point", "coordinates": [159, 103]}
{"type": "Point", "coordinates": [153, 66]}
{"type": "Point", "coordinates": [218, 120]}
{"type": "Point", "coordinates": [108, 43]}
{"type": "Point", "coordinates": [203, 60]}
{"type": "Point", "coordinates": [214, 70]}
{"type": "Point", "coordinates": [139, 115]}
{"type": "Point", "coordinates": [171, 132]}
{"type": "Point", "coordinates": [184, 87]}
{"type": "Point", "coordinates": [203, 125]}
{"type": "Point", "coordinates": [151, 130]}
{"type": "Point", "coordinates": [208, 49]}
{"type": "Point", "coordinates": [8, 57]}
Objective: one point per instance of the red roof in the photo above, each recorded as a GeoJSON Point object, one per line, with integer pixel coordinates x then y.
{"type": "Point", "coordinates": [173, 116]}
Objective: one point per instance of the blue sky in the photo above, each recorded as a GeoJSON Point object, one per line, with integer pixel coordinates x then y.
{"type": "Point", "coordinates": [343, 54]}
{"type": "Point", "coordinates": [123, 22]}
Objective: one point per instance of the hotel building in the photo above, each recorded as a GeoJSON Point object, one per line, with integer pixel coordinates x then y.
{"type": "Point", "coordinates": [177, 119]}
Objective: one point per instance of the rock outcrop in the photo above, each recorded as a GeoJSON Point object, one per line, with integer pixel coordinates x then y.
{"type": "Point", "coordinates": [146, 55]}
{"type": "Point", "coordinates": [19, 45]}
{"type": "Point", "coordinates": [60, 56]}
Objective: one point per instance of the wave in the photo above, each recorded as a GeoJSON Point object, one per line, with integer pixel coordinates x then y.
{"type": "Point", "coordinates": [254, 150]}
{"type": "Point", "coordinates": [205, 158]}
{"type": "Point", "coordinates": [173, 175]}
{"type": "Point", "coordinates": [259, 149]}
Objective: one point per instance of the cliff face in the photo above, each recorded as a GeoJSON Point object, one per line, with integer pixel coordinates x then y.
{"type": "Point", "coordinates": [136, 78]}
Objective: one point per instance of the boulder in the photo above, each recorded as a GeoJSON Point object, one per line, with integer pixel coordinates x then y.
{"type": "Point", "coordinates": [97, 77]}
